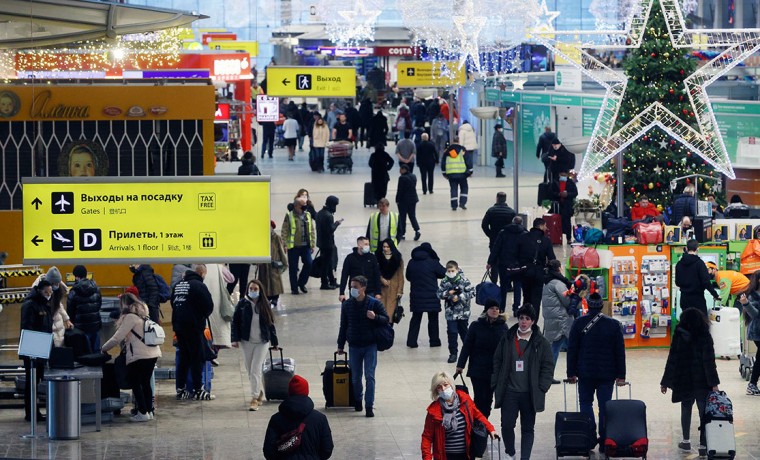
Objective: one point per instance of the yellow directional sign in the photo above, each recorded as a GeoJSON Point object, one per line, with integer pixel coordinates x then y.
{"type": "Point", "coordinates": [422, 74]}
{"type": "Point", "coordinates": [146, 219]}
{"type": "Point", "coordinates": [251, 47]}
{"type": "Point", "coordinates": [311, 81]}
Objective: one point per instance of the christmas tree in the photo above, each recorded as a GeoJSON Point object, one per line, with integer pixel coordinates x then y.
{"type": "Point", "coordinates": [656, 71]}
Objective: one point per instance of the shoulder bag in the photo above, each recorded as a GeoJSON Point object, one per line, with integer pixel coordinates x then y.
{"type": "Point", "coordinates": [384, 335]}
{"type": "Point", "coordinates": [209, 352]}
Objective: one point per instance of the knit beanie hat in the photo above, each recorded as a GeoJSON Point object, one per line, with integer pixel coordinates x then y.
{"type": "Point", "coordinates": [490, 303]}
{"type": "Point", "coordinates": [298, 386]}
{"type": "Point", "coordinates": [53, 276]}
{"type": "Point", "coordinates": [595, 302]}
{"type": "Point", "coordinates": [80, 271]}
{"type": "Point", "coordinates": [132, 290]}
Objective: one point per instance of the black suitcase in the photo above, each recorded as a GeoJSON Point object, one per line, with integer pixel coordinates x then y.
{"type": "Point", "coordinates": [574, 432]}
{"type": "Point", "coordinates": [336, 383]}
{"type": "Point", "coordinates": [626, 427]}
{"type": "Point", "coordinates": [369, 195]}
{"type": "Point", "coordinates": [277, 375]}
{"type": "Point", "coordinates": [544, 192]}
{"type": "Point", "coordinates": [76, 339]}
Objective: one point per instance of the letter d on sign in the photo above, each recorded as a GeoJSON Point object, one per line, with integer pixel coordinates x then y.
{"type": "Point", "coordinates": [90, 239]}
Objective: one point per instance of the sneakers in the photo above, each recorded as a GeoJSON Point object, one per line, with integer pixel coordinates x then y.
{"type": "Point", "coordinates": [370, 413]}
{"type": "Point", "coordinates": [203, 395]}
{"type": "Point", "coordinates": [260, 399]}
{"type": "Point", "coordinates": [254, 405]}
{"type": "Point", "coordinates": [685, 445]}
{"type": "Point", "coordinates": [417, 236]}
{"type": "Point", "coordinates": [702, 451]}
{"type": "Point", "coordinates": [151, 415]}
{"type": "Point", "coordinates": [452, 358]}
{"type": "Point", "coordinates": [181, 394]}
{"type": "Point", "coordinates": [511, 457]}
{"type": "Point", "coordinates": [140, 417]}
{"type": "Point", "coordinates": [358, 406]}
{"type": "Point", "coordinates": [752, 389]}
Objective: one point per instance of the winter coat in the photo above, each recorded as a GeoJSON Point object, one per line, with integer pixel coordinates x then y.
{"type": "Point", "coordinates": [439, 127]}
{"type": "Point", "coordinates": [423, 273]}
{"type": "Point", "coordinates": [554, 306]}
{"type": "Point", "coordinates": [534, 250]}
{"type": "Point", "coordinates": [356, 264]}
{"type": "Point", "coordinates": [638, 212]}
{"type": "Point", "coordinates": [36, 313]}
{"type": "Point", "coordinates": [378, 130]}
{"type": "Point", "coordinates": [130, 327]}
{"type": "Point", "coordinates": [191, 303]}
{"type": "Point", "coordinates": [499, 145]}
{"type": "Point", "coordinates": [504, 249]}
{"type": "Point", "coordinates": [395, 289]}
{"type": "Point", "coordinates": [241, 324]}
{"type": "Point", "coordinates": [220, 327]}
{"type": "Point", "coordinates": [483, 336]}
{"type": "Point", "coordinates": [145, 281]}
{"type": "Point", "coordinates": [433, 443]}
{"type": "Point", "coordinates": [598, 353]}
{"type": "Point", "coordinates": [496, 219]}
{"type": "Point", "coordinates": [248, 168]}
{"type": "Point", "coordinates": [403, 122]}
{"type": "Point", "coordinates": [325, 230]}
{"type": "Point", "coordinates": [683, 205]}
{"type": "Point", "coordinates": [690, 365]}
{"type": "Point", "coordinates": [380, 163]}
{"type": "Point", "coordinates": [355, 327]}
{"type": "Point", "coordinates": [269, 276]}
{"type": "Point", "coordinates": [564, 163]}
{"type": "Point", "coordinates": [316, 440]}
{"type": "Point", "coordinates": [418, 113]}
{"type": "Point", "coordinates": [406, 191]}
{"type": "Point", "coordinates": [83, 305]}
{"type": "Point", "coordinates": [544, 143]}
{"type": "Point", "coordinates": [540, 366]}
{"type": "Point", "coordinates": [354, 119]}
{"type": "Point", "coordinates": [320, 136]}
{"type": "Point", "coordinates": [459, 310]}
{"type": "Point", "coordinates": [365, 112]}
{"type": "Point", "coordinates": [566, 203]}
{"type": "Point", "coordinates": [427, 156]}
{"type": "Point", "coordinates": [467, 137]}
{"type": "Point", "coordinates": [692, 277]}
{"type": "Point", "coordinates": [752, 310]}
{"type": "Point", "coordinates": [446, 159]}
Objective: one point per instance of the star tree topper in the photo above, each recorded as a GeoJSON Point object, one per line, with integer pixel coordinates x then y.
{"type": "Point", "coordinates": [706, 141]}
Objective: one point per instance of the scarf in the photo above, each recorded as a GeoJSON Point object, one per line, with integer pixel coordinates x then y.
{"type": "Point", "coordinates": [449, 412]}
{"type": "Point", "coordinates": [388, 267]}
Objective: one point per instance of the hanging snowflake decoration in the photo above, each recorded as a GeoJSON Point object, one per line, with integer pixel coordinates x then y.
{"type": "Point", "coordinates": [350, 22]}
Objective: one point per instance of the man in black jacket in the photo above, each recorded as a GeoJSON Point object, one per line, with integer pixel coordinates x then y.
{"type": "Point", "coordinates": [406, 199]}
{"type": "Point", "coordinates": [559, 159]}
{"type": "Point", "coordinates": [564, 192]}
{"type": "Point", "coordinates": [316, 439]}
{"type": "Point", "coordinates": [503, 257]}
{"type": "Point", "coordinates": [83, 306]}
{"type": "Point", "coordinates": [692, 279]}
{"type": "Point", "coordinates": [596, 359]}
{"type": "Point", "coordinates": [534, 252]}
{"type": "Point", "coordinates": [360, 262]}
{"type": "Point", "coordinates": [144, 280]}
{"type": "Point", "coordinates": [326, 226]}
{"type": "Point", "coordinates": [497, 217]}
{"type": "Point", "coordinates": [36, 315]}
{"type": "Point", "coordinates": [543, 147]}
{"type": "Point", "coordinates": [191, 306]}
{"type": "Point", "coordinates": [427, 158]}
{"type": "Point", "coordinates": [359, 316]}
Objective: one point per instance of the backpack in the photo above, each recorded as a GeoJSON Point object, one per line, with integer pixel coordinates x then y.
{"type": "Point", "coordinates": [719, 407]}
{"type": "Point", "coordinates": [593, 236]}
{"type": "Point", "coordinates": [153, 333]}
{"type": "Point", "coordinates": [164, 291]}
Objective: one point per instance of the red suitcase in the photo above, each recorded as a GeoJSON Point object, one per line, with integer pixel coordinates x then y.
{"type": "Point", "coordinates": [554, 227]}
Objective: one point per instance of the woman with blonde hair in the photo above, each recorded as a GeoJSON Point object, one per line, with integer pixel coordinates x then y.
{"type": "Point", "coordinates": [141, 358]}
{"type": "Point", "coordinates": [449, 421]}
{"type": "Point", "coordinates": [253, 330]}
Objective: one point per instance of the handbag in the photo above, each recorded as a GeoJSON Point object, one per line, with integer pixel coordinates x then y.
{"type": "Point", "coordinates": [486, 290]}
{"type": "Point", "coordinates": [226, 307]}
{"type": "Point", "coordinates": [290, 442]}
{"type": "Point", "coordinates": [318, 266]}
{"type": "Point", "coordinates": [478, 435]}
{"type": "Point", "coordinates": [120, 370]}
{"type": "Point", "coordinates": [398, 313]}
{"type": "Point", "coordinates": [209, 352]}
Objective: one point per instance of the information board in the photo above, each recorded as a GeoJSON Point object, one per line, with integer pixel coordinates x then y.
{"type": "Point", "coordinates": [429, 74]}
{"type": "Point", "coordinates": [267, 108]}
{"type": "Point", "coordinates": [311, 81]}
{"type": "Point", "coordinates": [146, 219]}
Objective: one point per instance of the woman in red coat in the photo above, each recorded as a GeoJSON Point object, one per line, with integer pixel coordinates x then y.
{"type": "Point", "coordinates": [643, 209]}
{"type": "Point", "coordinates": [449, 421]}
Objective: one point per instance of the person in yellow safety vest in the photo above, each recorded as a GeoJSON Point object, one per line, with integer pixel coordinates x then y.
{"type": "Point", "coordinates": [455, 168]}
{"type": "Point", "coordinates": [730, 283]}
{"type": "Point", "coordinates": [382, 225]}
{"type": "Point", "coordinates": [300, 236]}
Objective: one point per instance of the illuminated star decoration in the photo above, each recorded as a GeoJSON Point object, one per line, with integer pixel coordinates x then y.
{"type": "Point", "coordinates": [545, 18]}
{"type": "Point", "coordinates": [518, 83]}
{"type": "Point", "coordinates": [468, 28]}
{"type": "Point", "coordinates": [707, 141]}
{"type": "Point", "coordinates": [663, 144]}
{"type": "Point", "coordinates": [359, 25]}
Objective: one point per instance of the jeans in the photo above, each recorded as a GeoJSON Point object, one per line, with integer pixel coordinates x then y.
{"type": "Point", "coordinates": [405, 209]}
{"type": "Point", "coordinates": [532, 292]}
{"type": "Point", "coordinates": [363, 360]}
{"type": "Point", "coordinates": [267, 143]}
{"type": "Point", "coordinates": [700, 397]}
{"type": "Point", "coordinates": [455, 328]}
{"type": "Point", "coordinates": [414, 329]}
{"type": "Point", "coordinates": [514, 404]}
{"type": "Point", "coordinates": [507, 281]}
{"type": "Point", "coordinates": [93, 338]}
{"type": "Point", "coordinates": [138, 375]}
{"type": "Point", "coordinates": [190, 357]}
{"type": "Point", "coordinates": [557, 346]}
{"type": "Point", "coordinates": [481, 387]}
{"type": "Point", "coordinates": [299, 279]}
{"type": "Point", "coordinates": [603, 389]}
{"type": "Point", "coordinates": [459, 189]}
{"type": "Point", "coordinates": [300, 142]}
{"type": "Point", "coordinates": [426, 177]}
{"type": "Point", "coordinates": [319, 153]}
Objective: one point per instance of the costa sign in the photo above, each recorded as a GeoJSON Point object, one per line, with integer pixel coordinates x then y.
{"type": "Point", "coordinates": [394, 51]}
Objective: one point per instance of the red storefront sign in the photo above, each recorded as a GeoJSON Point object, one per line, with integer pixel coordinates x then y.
{"type": "Point", "coordinates": [222, 112]}
{"type": "Point", "coordinates": [397, 51]}
{"type": "Point", "coordinates": [222, 66]}
{"type": "Point", "coordinates": [218, 36]}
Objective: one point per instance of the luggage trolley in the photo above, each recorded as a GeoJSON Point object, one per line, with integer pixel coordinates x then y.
{"type": "Point", "coordinates": [339, 157]}
{"type": "Point", "coordinates": [747, 358]}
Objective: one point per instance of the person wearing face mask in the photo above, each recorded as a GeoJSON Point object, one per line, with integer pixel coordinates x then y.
{"type": "Point", "coordinates": [560, 159]}
{"type": "Point", "coordinates": [456, 291]}
{"type": "Point", "coordinates": [522, 374]}
{"type": "Point", "coordinates": [300, 237]}
{"type": "Point", "coordinates": [144, 280]}
{"type": "Point", "coordinates": [253, 330]}
{"type": "Point", "coordinates": [61, 320]}
{"type": "Point", "coordinates": [449, 421]}
{"type": "Point", "coordinates": [36, 315]}
{"type": "Point", "coordinates": [391, 266]}
{"type": "Point", "coordinates": [360, 262]}
{"type": "Point", "coordinates": [423, 273]}
{"type": "Point", "coordinates": [326, 226]}
{"type": "Point", "coordinates": [319, 138]}
{"type": "Point", "coordinates": [359, 316]}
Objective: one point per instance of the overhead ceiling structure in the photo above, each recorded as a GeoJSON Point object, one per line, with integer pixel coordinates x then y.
{"type": "Point", "coordinates": [33, 23]}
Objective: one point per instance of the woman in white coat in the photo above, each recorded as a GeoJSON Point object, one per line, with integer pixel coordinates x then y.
{"type": "Point", "coordinates": [221, 328]}
{"type": "Point", "coordinates": [469, 140]}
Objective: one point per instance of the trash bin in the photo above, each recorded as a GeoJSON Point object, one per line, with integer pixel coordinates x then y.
{"type": "Point", "coordinates": [63, 408]}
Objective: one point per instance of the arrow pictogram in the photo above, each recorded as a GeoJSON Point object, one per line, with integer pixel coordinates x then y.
{"type": "Point", "coordinates": [285, 81]}
{"type": "Point", "coordinates": [37, 202]}
{"type": "Point", "coordinates": [37, 240]}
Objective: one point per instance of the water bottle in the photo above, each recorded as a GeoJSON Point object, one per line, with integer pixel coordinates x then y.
{"type": "Point", "coordinates": [600, 286]}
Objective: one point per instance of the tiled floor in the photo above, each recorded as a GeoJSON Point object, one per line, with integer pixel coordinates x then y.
{"type": "Point", "coordinates": [307, 327]}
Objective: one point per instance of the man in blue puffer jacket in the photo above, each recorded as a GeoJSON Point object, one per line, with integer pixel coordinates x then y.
{"type": "Point", "coordinates": [596, 359]}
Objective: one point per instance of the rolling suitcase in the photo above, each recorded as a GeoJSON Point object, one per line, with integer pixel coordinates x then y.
{"type": "Point", "coordinates": [725, 328]}
{"type": "Point", "coordinates": [574, 432]}
{"type": "Point", "coordinates": [336, 383]}
{"type": "Point", "coordinates": [719, 427]}
{"type": "Point", "coordinates": [626, 427]}
{"type": "Point", "coordinates": [277, 374]}
{"type": "Point", "coordinates": [369, 195]}
{"type": "Point", "coordinates": [553, 228]}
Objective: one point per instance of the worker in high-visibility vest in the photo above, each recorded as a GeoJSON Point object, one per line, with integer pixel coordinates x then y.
{"type": "Point", "coordinates": [382, 225]}
{"type": "Point", "coordinates": [455, 168]}
{"type": "Point", "coordinates": [300, 237]}
{"type": "Point", "coordinates": [730, 283]}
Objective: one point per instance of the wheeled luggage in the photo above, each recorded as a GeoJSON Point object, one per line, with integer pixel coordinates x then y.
{"type": "Point", "coordinates": [720, 438]}
{"type": "Point", "coordinates": [369, 195]}
{"type": "Point", "coordinates": [747, 358]}
{"type": "Point", "coordinates": [336, 383]}
{"type": "Point", "coordinates": [725, 324]}
{"type": "Point", "coordinates": [339, 156]}
{"type": "Point", "coordinates": [277, 374]}
{"type": "Point", "coordinates": [626, 427]}
{"type": "Point", "coordinates": [553, 227]}
{"type": "Point", "coordinates": [574, 432]}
